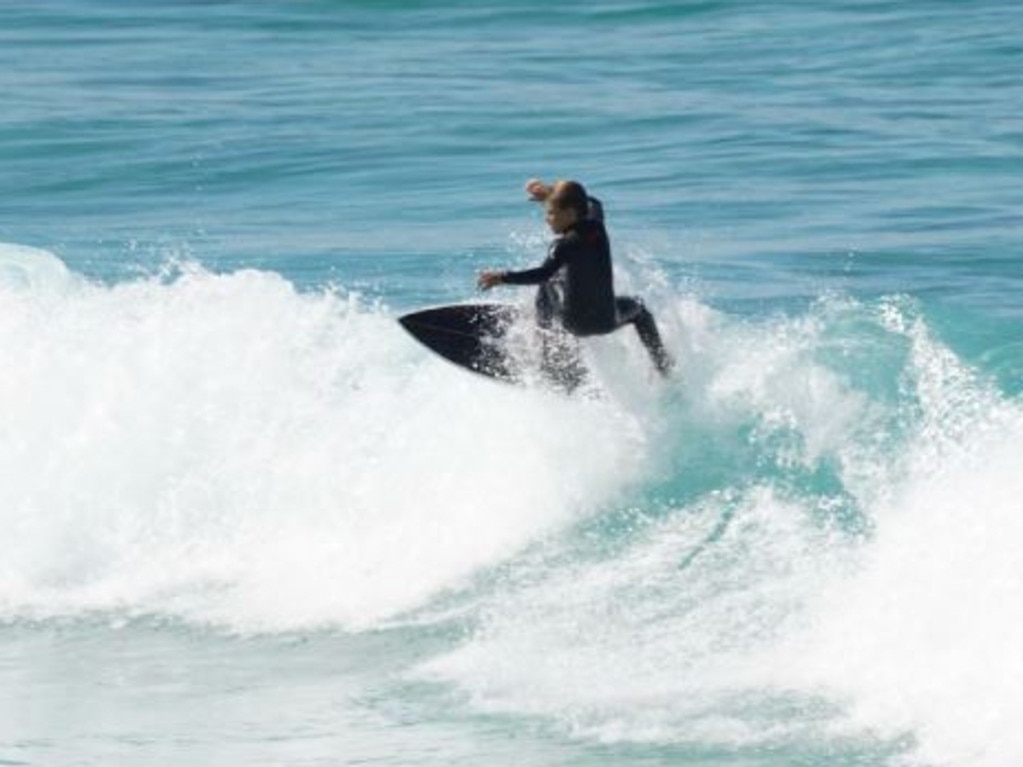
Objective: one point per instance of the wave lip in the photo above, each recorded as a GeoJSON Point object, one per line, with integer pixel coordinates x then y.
{"type": "Point", "coordinates": [24, 268]}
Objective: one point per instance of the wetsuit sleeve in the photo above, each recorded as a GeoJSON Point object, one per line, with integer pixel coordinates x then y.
{"type": "Point", "coordinates": [542, 273]}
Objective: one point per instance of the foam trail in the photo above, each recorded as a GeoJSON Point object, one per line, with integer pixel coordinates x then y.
{"type": "Point", "coordinates": [224, 449]}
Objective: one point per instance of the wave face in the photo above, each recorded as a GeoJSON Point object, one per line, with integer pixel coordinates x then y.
{"type": "Point", "coordinates": [808, 538]}
{"type": "Point", "coordinates": [851, 582]}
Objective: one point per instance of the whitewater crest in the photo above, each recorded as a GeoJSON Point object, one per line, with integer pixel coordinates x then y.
{"type": "Point", "coordinates": [24, 268]}
{"type": "Point", "coordinates": [225, 449]}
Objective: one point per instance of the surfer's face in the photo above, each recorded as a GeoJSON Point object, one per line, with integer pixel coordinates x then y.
{"type": "Point", "coordinates": [559, 219]}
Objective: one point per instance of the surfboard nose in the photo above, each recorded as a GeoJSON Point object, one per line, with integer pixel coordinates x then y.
{"type": "Point", "coordinates": [469, 335]}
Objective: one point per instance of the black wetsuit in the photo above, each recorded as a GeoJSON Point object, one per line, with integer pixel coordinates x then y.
{"type": "Point", "coordinates": [577, 288]}
{"type": "Point", "coordinates": [577, 284]}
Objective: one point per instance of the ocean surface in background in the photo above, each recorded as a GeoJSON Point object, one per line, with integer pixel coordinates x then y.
{"type": "Point", "coordinates": [246, 520]}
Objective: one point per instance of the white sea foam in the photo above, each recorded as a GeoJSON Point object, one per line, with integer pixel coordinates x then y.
{"type": "Point", "coordinates": [927, 636]}
{"type": "Point", "coordinates": [225, 449]}
{"type": "Point", "coordinates": [749, 621]}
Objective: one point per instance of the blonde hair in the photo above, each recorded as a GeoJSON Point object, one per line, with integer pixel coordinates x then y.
{"type": "Point", "coordinates": [570, 194]}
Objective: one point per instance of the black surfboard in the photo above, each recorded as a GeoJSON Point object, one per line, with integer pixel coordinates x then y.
{"type": "Point", "coordinates": [470, 335]}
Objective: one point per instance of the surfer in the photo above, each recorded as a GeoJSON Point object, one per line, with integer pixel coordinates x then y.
{"type": "Point", "coordinates": [576, 283]}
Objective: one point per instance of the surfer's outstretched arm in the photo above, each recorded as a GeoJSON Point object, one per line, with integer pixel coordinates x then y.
{"type": "Point", "coordinates": [535, 276]}
{"type": "Point", "coordinates": [539, 191]}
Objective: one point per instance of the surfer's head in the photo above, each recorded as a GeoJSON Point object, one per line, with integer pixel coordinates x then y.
{"type": "Point", "coordinates": [565, 205]}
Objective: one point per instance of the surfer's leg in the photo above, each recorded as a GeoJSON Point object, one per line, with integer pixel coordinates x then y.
{"type": "Point", "coordinates": [548, 305]}
{"type": "Point", "coordinates": [561, 363]}
{"type": "Point", "coordinates": [631, 311]}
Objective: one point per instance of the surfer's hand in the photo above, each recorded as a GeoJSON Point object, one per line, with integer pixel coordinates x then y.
{"type": "Point", "coordinates": [537, 190]}
{"type": "Point", "coordinates": [486, 280]}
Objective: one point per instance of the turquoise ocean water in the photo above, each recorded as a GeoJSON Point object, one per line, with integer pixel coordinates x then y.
{"type": "Point", "coordinates": [247, 521]}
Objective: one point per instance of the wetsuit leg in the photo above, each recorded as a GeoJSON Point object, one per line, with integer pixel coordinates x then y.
{"type": "Point", "coordinates": [548, 305]}
{"type": "Point", "coordinates": [560, 362]}
{"type": "Point", "coordinates": [631, 311]}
